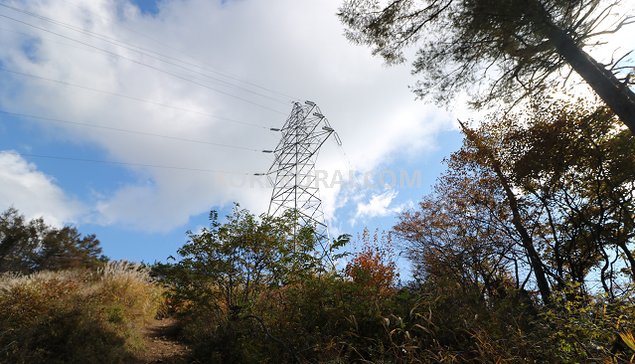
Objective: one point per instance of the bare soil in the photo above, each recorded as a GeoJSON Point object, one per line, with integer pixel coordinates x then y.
{"type": "Point", "coordinates": [162, 344]}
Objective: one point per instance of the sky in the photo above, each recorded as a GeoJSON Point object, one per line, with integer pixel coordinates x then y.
{"type": "Point", "coordinates": [133, 119]}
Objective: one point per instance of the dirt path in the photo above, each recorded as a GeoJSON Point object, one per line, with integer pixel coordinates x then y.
{"type": "Point", "coordinates": [161, 344]}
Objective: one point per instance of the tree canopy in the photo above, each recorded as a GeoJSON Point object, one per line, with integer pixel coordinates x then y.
{"type": "Point", "coordinates": [519, 45]}
{"type": "Point", "coordinates": [550, 196]}
{"type": "Point", "coordinates": [28, 246]}
{"type": "Point", "coordinates": [236, 260]}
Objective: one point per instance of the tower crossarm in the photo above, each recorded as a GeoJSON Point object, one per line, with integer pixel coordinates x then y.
{"type": "Point", "coordinates": [292, 172]}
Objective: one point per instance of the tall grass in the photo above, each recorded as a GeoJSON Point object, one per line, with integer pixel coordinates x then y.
{"type": "Point", "coordinates": [76, 316]}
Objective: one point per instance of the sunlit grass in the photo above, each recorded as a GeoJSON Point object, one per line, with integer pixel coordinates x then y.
{"type": "Point", "coordinates": [76, 316]}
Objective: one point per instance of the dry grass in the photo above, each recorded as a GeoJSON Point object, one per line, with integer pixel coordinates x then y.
{"type": "Point", "coordinates": [76, 316]}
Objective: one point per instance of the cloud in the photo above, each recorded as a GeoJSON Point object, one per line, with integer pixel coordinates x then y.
{"type": "Point", "coordinates": [212, 55]}
{"type": "Point", "coordinates": [34, 193]}
{"type": "Point", "coordinates": [377, 206]}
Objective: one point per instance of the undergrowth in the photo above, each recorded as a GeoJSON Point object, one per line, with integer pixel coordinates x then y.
{"type": "Point", "coordinates": [76, 316]}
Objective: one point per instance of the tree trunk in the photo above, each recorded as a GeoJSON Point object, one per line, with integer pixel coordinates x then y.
{"type": "Point", "coordinates": [629, 257]}
{"type": "Point", "coordinates": [616, 95]}
{"type": "Point", "coordinates": [527, 241]}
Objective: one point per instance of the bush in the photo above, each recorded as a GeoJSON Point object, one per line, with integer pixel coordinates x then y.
{"type": "Point", "coordinates": [323, 318]}
{"type": "Point", "coordinates": [589, 328]}
{"type": "Point", "coordinates": [244, 296]}
{"type": "Point", "coordinates": [75, 316]}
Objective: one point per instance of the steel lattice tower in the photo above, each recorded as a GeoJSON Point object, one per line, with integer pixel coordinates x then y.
{"type": "Point", "coordinates": [295, 185]}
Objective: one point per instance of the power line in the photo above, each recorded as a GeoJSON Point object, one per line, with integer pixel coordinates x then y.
{"type": "Point", "coordinates": [121, 130]}
{"type": "Point", "coordinates": [114, 54]}
{"type": "Point", "coordinates": [206, 67]}
{"type": "Point", "coordinates": [133, 98]}
{"type": "Point", "coordinates": [131, 164]}
{"type": "Point", "coordinates": [142, 51]}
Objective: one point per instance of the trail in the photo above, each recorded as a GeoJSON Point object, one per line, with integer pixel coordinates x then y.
{"type": "Point", "coordinates": [161, 344]}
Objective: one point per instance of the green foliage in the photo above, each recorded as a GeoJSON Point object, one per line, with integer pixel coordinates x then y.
{"type": "Point", "coordinates": [226, 268]}
{"type": "Point", "coordinates": [75, 316]}
{"type": "Point", "coordinates": [31, 246]}
{"type": "Point", "coordinates": [587, 328]}
{"type": "Point", "coordinates": [228, 265]}
{"type": "Point", "coordinates": [298, 312]}
{"type": "Point", "coordinates": [249, 290]}
{"type": "Point", "coordinates": [321, 319]}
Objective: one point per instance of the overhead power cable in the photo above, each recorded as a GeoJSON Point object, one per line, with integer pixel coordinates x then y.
{"type": "Point", "coordinates": [143, 52]}
{"type": "Point", "coordinates": [121, 130]}
{"type": "Point", "coordinates": [183, 52]}
{"type": "Point", "coordinates": [131, 164]}
{"type": "Point", "coordinates": [117, 55]}
{"type": "Point", "coordinates": [133, 98]}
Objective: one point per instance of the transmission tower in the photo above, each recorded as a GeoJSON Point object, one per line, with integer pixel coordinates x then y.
{"type": "Point", "coordinates": [292, 173]}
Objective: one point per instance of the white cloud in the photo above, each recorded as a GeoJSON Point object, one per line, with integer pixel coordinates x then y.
{"type": "Point", "coordinates": [289, 45]}
{"type": "Point", "coordinates": [34, 193]}
{"type": "Point", "coordinates": [377, 206]}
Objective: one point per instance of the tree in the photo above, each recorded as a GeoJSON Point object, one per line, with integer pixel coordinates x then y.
{"type": "Point", "coordinates": [27, 246]}
{"type": "Point", "coordinates": [522, 42]}
{"type": "Point", "coordinates": [550, 195]}
{"type": "Point", "coordinates": [19, 239]}
{"type": "Point", "coordinates": [374, 266]}
{"type": "Point", "coordinates": [228, 265]}
{"type": "Point", "coordinates": [66, 248]}
{"type": "Point", "coordinates": [480, 152]}
{"type": "Point", "coordinates": [576, 166]}
{"type": "Point", "coordinates": [236, 276]}
{"type": "Point", "coordinates": [467, 232]}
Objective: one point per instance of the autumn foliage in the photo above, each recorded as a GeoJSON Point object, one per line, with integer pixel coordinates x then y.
{"type": "Point", "coordinates": [373, 266]}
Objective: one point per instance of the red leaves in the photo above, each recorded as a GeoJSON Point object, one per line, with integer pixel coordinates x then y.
{"type": "Point", "coordinates": [373, 266]}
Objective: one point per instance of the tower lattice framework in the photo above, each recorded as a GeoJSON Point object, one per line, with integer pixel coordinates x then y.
{"type": "Point", "coordinates": [295, 185]}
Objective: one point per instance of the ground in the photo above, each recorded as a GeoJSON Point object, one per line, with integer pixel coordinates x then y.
{"type": "Point", "coordinates": [161, 344]}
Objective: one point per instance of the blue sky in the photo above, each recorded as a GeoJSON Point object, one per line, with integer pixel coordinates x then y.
{"type": "Point", "coordinates": [206, 79]}
{"type": "Point", "coordinates": [147, 6]}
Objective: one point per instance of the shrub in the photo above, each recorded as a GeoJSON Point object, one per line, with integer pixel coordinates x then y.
{"type": "Point", "coordinates": [589, 328]}
{"type": "Point", "coordinates": [374, 267]}
{"type": "Point", "coordinates": [323, 318]}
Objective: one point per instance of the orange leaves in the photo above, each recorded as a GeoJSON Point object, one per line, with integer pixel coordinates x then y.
{"type": "Point", "coordinates": [373, 266]}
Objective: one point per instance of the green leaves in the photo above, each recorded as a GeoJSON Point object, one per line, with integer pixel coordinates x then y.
{"type": "Point", "coordinates": [27, 246]}
{"type": "Point", "coordinates": [233, 262]}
